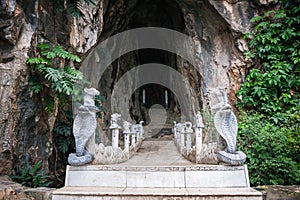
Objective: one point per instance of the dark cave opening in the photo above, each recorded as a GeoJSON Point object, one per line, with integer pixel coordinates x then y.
{"type": "Point", "coordinates": [164, 14]}
{"type": "Point", "coordinates": [146, 13]}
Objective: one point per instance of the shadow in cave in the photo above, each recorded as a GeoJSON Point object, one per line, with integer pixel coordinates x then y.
{"type": "Point", "coordinates": [147, 13]}
{"type": "Point", "coordinates": [165, 14]}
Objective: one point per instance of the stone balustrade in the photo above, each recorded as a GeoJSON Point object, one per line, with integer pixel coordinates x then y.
{"type": "Point", "coordinates": [188, 138]}
{"type": "Point", "coordinates": [206, 149]}
{"type": "Point", "coordinates": [126, 139]}
{"type": "Point", "coordinates": [133, 135]}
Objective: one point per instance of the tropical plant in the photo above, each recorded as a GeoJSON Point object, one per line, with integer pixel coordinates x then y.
{"type": "Point", "coordinates": [63, 133]}
{"type": "Point", "coordinates": [32, 176]}
{"type": "Point", "coordinates": [50, 74]}
{"type": "Point", "coordinates": [274, 84]}
{"type": "Point", "coordinates": [269, 134]}
{"type": "Point", "coordinates": [273, 151]}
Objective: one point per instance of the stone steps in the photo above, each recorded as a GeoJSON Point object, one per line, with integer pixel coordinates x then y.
{"type": "Point", "coordinates": [157, 182]}
{"type": "Point", "coordinates": [194, 176]}
{"type": "Point", "coordinates": [105, 193]}
{"type": "Point", "coordinates": [157, 171]}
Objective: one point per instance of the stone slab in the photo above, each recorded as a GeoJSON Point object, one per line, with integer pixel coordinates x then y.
{"type": "Point", "coordinates": [156, 179]}
{"type": "Point", "coordinates": [98, 178]}
{"type": "Point", "coordinates": [91, 193]}
{"type": "Point", "coordinates": [216, 179]}
{"type": "Point", "coordinates": [195, 176]}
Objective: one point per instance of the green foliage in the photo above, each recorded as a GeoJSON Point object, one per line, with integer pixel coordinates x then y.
{"type": "Point", "coordinates": [63, 133]}
{"type": "Point", "coordinates": [32, 176]}
{"type": "Point", "coordinates": [274, 85]}
{"type": "Point", "coordinates": [49, 72]}
{"type": "Point", "coordinates": [270, 135]}
{"type": "Point", "coordinates": [60, 79]}
{"type": "Point", "coordinates": [273, 151]}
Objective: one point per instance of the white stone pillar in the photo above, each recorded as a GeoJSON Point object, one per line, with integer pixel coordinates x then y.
{"type": "Point", "coordinates": [133, 138]}
{"type": "Point", "coordinates": [182, 140]}
{"type": "Point", "coordinates": [141, 129]}
{"type": "Point", "coordinates": [176, 135]}
{"type": "Point", "coordinates": [115, 129]}
{"type": "Point", "coordinates": [188, 132]}
{"type": "Point", "coordinates": [138, 135]}
{"type": "Point", "coordinates": [188, 141]}
{"type": "Point", "coordinates": [175, 132]}
{"type": "Point", "coordinates": [198, 145]}
{"type": "Point", "coordinates": [198, 131]}
{"type": "Point", "coordinates": [115, 138]}
{"type": "Point", "coordinates": [126, 142]}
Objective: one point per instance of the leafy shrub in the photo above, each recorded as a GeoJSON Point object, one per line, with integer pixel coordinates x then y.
{"type": "Point", "coordinates": [32, 176]}
{"type": "Point", "coordinates": [63, 133]}
{"type": "Point", "coordinates": [274, 84]}
{"type": "Point", "coordinates": [46, 65]}
{"type": "Point", "coordinates": [273, 155]}
{"type": "Point", "coordinates": [269, 135]}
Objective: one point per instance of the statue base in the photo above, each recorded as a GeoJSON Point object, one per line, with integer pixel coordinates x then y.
{"type": "Point", "coordinates": [157, 182]}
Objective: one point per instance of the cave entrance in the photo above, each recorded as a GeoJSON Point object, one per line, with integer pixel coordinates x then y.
{"type": "Point", "coordinates": [165, 14]}
{"type": "Point", "coordinates": [155, 13]}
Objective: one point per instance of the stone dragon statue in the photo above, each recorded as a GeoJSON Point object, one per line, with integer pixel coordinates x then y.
{"type": "Point", "coordinates": [84, 127]}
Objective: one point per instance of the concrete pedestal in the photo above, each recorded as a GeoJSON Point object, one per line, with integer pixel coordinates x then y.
{"type": "Point", "coordinates": [157, 171]}
{"type": "Point", "coordinates": [141, 182]}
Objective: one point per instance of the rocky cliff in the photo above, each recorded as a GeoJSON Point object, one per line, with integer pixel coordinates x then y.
{"type": "Point", "coordinates": [216, 29]}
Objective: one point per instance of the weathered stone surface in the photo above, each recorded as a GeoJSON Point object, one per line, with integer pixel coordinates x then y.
{"type": "Point", "coordinates": [216, 28]}
{"type": "Point", "coordinates": [11, 21]}
{"type": "Point", "coordinates": [85, 30]}
{"type": "Point", "coordinates": [41, 193]}
{"type": "Point", "coordinates": [24, 129]}
{"type": "Point", "coordinates": [15, 191]}
{"type": "Point", "coordinates": [279, 192]}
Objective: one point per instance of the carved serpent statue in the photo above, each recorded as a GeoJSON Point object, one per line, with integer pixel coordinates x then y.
{"type": "Point", "coordinates": [84, 127]}
{"type": "Point", "coordinates": [226, 125]}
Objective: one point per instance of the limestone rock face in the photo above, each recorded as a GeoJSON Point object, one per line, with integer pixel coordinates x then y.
{"type": "Point", "coordinates": [85, 30]}
{"type": "Point", "coordinates": [11, 21]}
{"type": "Point", "coordinates": [24, 130]}
{"type": "Point", "coordinates": [216, 29]}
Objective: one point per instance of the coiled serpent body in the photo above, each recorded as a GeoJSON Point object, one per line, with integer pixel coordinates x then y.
{"type": "Point", "coordinates": [226, 125]}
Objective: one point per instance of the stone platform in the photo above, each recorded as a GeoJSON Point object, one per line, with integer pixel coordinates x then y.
{"type": "Point", "coordinates": [157, 171]}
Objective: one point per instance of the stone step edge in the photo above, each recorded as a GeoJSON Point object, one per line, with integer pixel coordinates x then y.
{"type": "Point", "coordinates": [156, 168]}
{"type": "Point", "coordinates": [108, 191]}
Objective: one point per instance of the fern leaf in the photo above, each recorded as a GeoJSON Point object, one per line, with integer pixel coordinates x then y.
{"type": "Point", "coordinates": [63, 146]}
{"type": "Point", "coordinates": [43, 46]}
{"type": "Point", "coordinates": [35, 84]}
{"type": "Point", "coordinates": [52, 74]}
{"type": "Point", "coordinates": [34, 60]}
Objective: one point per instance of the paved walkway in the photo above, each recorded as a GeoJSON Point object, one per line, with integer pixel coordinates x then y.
{"type": "Point", "coordinates": [157, 153]}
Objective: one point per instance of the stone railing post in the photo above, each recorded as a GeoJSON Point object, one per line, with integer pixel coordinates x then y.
{"type": "Point", "coordinates": [133, 138]}
{"type": "Point", "coordinates": [133, 131]}
{"type": "Point", "coordinates": [115, 137]}
{"type": "Point", "coordinates": [126, 141]}
{"type": "Point", "coordinates": [198, 131]}
{"type": "Point", "coordinates": [188, 131]}
{"type": "Point", "coordinates": [182, 137]}
{"type": "Point", "coordinates": [126, 133]}
{"type": "Point", "coordinates": [175, 132]}
{"type": "Point", "coordinates": [141, 129]}
{"type": "Point", "coordinates": [178, 131]}
{"type": "Point", "coordinates": [115, 129]}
